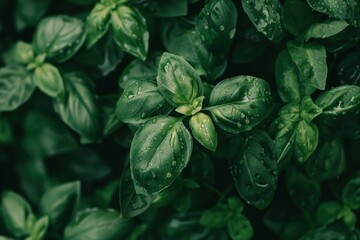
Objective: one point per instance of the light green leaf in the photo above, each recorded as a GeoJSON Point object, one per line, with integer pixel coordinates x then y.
{"type": "Point", "coordinates": [39, 229]}
{"type": "Point", "coordinates": [309, 110]}
{"type": "Point", "coordinates": [130, 31]}
{"type": "Point", "coordinates": [160, 150]}
{"type": "Point", "coordinates": [97, 24]}
{"type": "Point", "coordinates": [215, 218]}
{"type": "Point", "coordinates": [48, 79]}
{"type": "Point", "coordinates": [325, 29]}
{"type": "Point", "coordinates": [16, 87]}
{"type": "Point", "coordinates": [59, 37]}
{"type": "Point", "coordinates": [306, 140]}
{"type": "Point", "coordinates": [267, 17]}
{"type": "Point", "coordinates": [240, 103]}
{"type": "Point", "coordinates": [239, 227]}
{"type": "Point", "coordinates": [24, 52]}
{"type": "Point", "coordinates": [203, 130]}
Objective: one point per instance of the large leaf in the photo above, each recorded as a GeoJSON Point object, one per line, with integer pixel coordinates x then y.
{"type": "Point", "coordinates": [16, 87]}
{"type": "Point", "coordinates": [267, 17]}
{"type": "Point", "coordinates": [59, 37]}
{"type": "Point", "coordinates": [253, 167]}
{"type": "Point", "coordinates": [160, 150]}
{"type": "Point", "coordinates": [240, 103]}
{"type": "Point", "coordinates": [130, 31]}
{"type": "Point", "coordinates": [94, 224]}
{"type": "Point", "coordinates": [141, 101]}
{"type": "Point", "coordinates": [216, 25]}
{"type": "Point", "coordinates": [310, 60]}
{"type": "Point", "coordinates": [80, 111]}
{"type": "Point", "coordinates": [178, 81]}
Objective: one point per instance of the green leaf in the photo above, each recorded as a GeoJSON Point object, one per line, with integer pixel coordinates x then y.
{"type": "Point", "coordinates": [310, 60]}
{"type": "Point", "coordinates": [177, 80]}
{"type": "Point", "coordinates": [309, 110]}
{"type": "Point", "coordinates": [29, 12]}
{"type": "Point", "coordinates": [267, 17]}
{"type": "Point", "coordinates": [339, 101]}
{"type": "Point", "coordinates": [48, 79]}
{"type": "Point", "coordinates": [351, 193]}
{"type": "Point", "coordinates": [97, 23]}
{"type": "Point", "coordinates": [60, 203]}
{"type": "Point", "coordinates": [328, 212]}
{"type": "Point", "coordinates": [131, 203]}
{"type": "Point", "coordinates": [160, 150]}
{"type": "Point", "coordinates": [203, 130]}
{"type": "Point", "coordinates": [239, 227]}
{"type": "Point", "coordinates": [108, 106]}
{"type": "Point", "coordinates": [306, 140]}
{"type": "Point", "coordinates": [130, 31]}
{"type": "Point", "coordinates": [16, 214]}
{"type": "Point", "coordinates": [240, 103]}
{"type": "Point", "coordinates": [39, 229]}
{"type": "Point", "coordinates": [341, 9]}
{"type": "Point", "coordinates": [304, 192]}
{"type": "Point", "coordinates": [253, 167]}
{"type": "Point", "coordinates": [297, 16]}
{"type": "Point", "coordinates": [191, 109]}
{"type": "Point", "coordinates": [98, 224]}
{"type": "Point", "coordinates": [16, 87]}
{"type": "Point", "coordinates": [80, 111]}
{"type": "Point", "coordinates": [216, 25]}
{"type": "Point", "coordinates": [141, 101]}
{"type": "Point", "coordinates": [59, 37]}
{"type": "Point", "coordinates": [169, 8]}
{"type": "Point", "coordinates": [325, 29]}
{"type": "Point", "coordinates": [24, 52]}
{"type": "Point", "coordinates": [348, 68]}
{"type": "Point", "coordinates": [214, 218]}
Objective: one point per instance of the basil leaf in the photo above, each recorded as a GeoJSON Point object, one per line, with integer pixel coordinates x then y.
{"type": "Point", "coordinates": [39, 229]}
{"type": "Point", "coordinates": [239, 227]}
{"type": "Point", "coordinates": [297, 16]}
{"type": "Point", "coordinates": [351, 192]}
{"type": "Point", "coordinates": [203, 130]}
{"type": "Point", "coordinates": [216, 25]}
{"type": "Point", "coordinates": [304, 192]}
{"type": "Point", "coordinates": [214, 218]}
{"type": "Point", "coordinates": [24, 52]}
{"type": "Point", "coordinates": [310, 60]}
{"type": "Point", "coordinates": [16, 214]}
{"type": "Point", "coordinates": [97, 24]}
{"type": "Point", "coordinates": [141, 101]}
{"type": "Point", "coordinates": [108, 107]}
{"type": "Point", "coordinates": [59, 37]}
{"type": "Point", "coordinates": [267, 17]}
{"type": "Point", "coordinates": [16, 87]}
{"type": "Point", "coordinates": [48, 79]}
{"type": "Point", "coordinates": [60, 203]}
{"type": "Point", "coordinates": [240, 103]}
{"type": "Point", "coordinates": [177, 80]}
{"type": "Point", "coordinates": [309, 110]}
{"type": "Point", "coordinates": [328, 160]}
{"type": "Point", "coordinates": [29, 12]}
{"type": "Point", "coordinates": [98, 224]}
{"type": "Point", "coordinates": [306, 140]}
{"type": "Point", "coordinates": [328, 212]}
{"type": "Point", "coordinates": [339, 101]}
{"type": "Point", "coordinates": [80, 110]}
{"type": "Point", "coordinates": [253, 167]}
{"type": "Point", "coordinates": [342, 9]}
{"type": "Point", "coordinates": [160, 150]}
{"type": "Point", "coordinates": [131, 203]}
{"type": "Point", "coordinates": [130, 31]}
{"type": "Point", "coordinates": [325, 29]}
{"type": "Point", "coordinates": [168, 8]}
{"type": "Point", "coordinates": [349, 69]}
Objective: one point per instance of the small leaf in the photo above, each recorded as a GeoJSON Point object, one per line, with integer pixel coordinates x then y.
{"type": "Point", "coordinates": [130, 31]}
{"type": "Point", "coordinates": [240, 103]}
{"type": "Point", "coordinates": [310, 60]}
{"type": "Point", "coordinates": [306, 140]}
{"type": "Point", "coordinates": [253, 167]}
{"type": "Point", "coordinates": [98, 224]}
{"type": "Point", "coordinates": [177, 80]}
{"type": "Point", "coordinates": [214, 218]}
{"type": "Point", "coordinates": [39, 228]}
{"type": "Point", "coordinates": [328, 212]}
{"type": "Point", "coordinates": [351, 193]}
{"type": "Point", "coordinates": [60, 203]}
{"type": "Point", "coordinates": [160, 150]}
{"type": "Point", "coordinates": [325, 29]}
{"type": "Point", "coordinates": [203, 130]}
{"type": "Point", "coordinates": [97, 24]}
{"type": "Point", "coordinates": [131, 203]}
{"type": "Point", "coordinates": [16, 214]}
{"type": "Point", "coordinates": [297, 16]}
{"type": "Point", "coordinates": [239, 227]}
{"type": "Point", "coordinates": [16, 87]}
{"type": "Point", "coordinates": [59, 37]}
{"type": "Point", "coordinates": [309, 110]}
{"type": "Point", "coordinates": [339, 101]}
{"type": "Point", "coordinates": [48, 79]}
{"type": "Point", "coordinates": [141, 101]}
{"type": "Point", "coordinates": [267, 17]}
